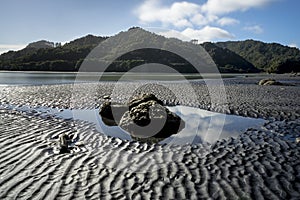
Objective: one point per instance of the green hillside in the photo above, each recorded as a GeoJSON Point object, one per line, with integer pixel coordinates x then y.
{"type": "Point", "coordinates": [230, 57]}
{"type": "Point", "coordinates": [228, 61]}
{"type": "Point", "coordinates": [271, 57]}
{"type": "Point", "coordinates": [59, 58]}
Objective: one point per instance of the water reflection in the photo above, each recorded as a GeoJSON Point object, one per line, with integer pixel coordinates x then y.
{"type": "Point", "coordinates": [94, 117]}
{"type": "Point", "coordinates": [49, 78]}
{"type": "Point", "coordinates": [205, 126]}
{"type": "Point", "coordinates": [200, 125]}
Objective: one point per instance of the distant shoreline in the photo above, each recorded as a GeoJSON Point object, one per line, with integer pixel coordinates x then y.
{"type": "Point", "coordinates": [57, 78]}
{"type": "Point", "coordinates": [74, 72]}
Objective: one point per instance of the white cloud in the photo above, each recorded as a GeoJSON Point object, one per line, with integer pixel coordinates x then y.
{"type": "Point", "coordinates": [218, 7]}
{"type": "Point", "coordinates": [154, 11]}
{"type": "Point", "coordinates": [225, 21]}
{"type": "Point", "coordinates": [293, 45]}
{"type": "Point", "coordinates": [7, 47]}
{"type": "Point", "coordinates": [177, 14]}
{"type": "Point", "coordinates": [174, 34]}
{"type": "Point", "coordinates": [207, 33]}
{"type": "Point", "coordinates": [254, 29]}
{"type": "Point", "coordinates": [201, 19]}
{"type": "Point", "coordinates": [197, 20]}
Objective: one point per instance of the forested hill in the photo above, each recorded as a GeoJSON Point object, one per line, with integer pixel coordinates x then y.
{"type": "Point", "coordinates": [245, 56]}
{"type": "Point", "coordinates": [66, 57]}
{"type": "Point", "coordinates": [228, 61]}
{"type": "Point", "coordinates": [271, 57]}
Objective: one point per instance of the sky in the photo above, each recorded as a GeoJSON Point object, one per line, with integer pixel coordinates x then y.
{"type": "Point", "coordinates": [27, 21]}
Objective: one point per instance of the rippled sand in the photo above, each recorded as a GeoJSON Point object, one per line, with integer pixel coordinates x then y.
{"type": "Point", "coordinates": [258, 164]}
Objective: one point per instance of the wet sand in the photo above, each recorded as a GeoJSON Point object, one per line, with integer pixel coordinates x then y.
{"type": "Point", "coordinates": [259, 164]}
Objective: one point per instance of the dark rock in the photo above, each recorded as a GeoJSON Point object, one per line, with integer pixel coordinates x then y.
{"type": "Point", "coordinates": [143, 98]}
{"type": "Point", "coordinates": [68, 142]}
{"type": "Point", "coordinates": [106, 97]}
{"type": "Point", "coordinates": [63, 143]}
{"type": "Point", "coordinates": [273, 82]}
{"type": "Point", "coordinates": [111, 114]}
{"type": "Point", "coordinates": [294, 74]}
{"type": "Point", "coordinates": [143, 117]}
{"type": "Point", "coordinates": [147, 117]}
{"type": "Point", "coordinates": [269, 82]}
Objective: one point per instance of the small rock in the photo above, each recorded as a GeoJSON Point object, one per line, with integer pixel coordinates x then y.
{"type": "Point", "coordinates": [269, 82]}
{"type": "Point", "coordinates": [80, 144]}
{"type": "Point", "coordinates": [294, 74]}
{"type": "Point", "coordinates": [106, 97]}
{"type": "Point", "coordinates": [63, 143]}
{"type": "Point", "coordinates": [67, 143]}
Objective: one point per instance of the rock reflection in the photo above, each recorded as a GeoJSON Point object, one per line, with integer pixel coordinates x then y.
{"type": "Point", "coordinates": [200, 125]}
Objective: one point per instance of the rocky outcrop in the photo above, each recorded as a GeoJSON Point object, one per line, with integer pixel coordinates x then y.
{"type": "Point", "coordinates": [112, 113]}
{"type": "Point", "coordinates": [145, 116]}
{"type": "Point", "coordinates": [269, 82]}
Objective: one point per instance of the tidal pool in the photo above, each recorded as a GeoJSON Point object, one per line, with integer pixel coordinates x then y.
{"type": "Point", "coordinates": [200, 125]}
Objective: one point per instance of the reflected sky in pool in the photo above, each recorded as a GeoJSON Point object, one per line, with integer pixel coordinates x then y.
{"type": "Point", "coordinates": [200, 125]}
{"type": "Point", "coordinates": [205, 126]}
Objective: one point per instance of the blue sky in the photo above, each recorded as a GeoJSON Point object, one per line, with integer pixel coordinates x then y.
{"type": "Point", "coordinates": [206, 20]}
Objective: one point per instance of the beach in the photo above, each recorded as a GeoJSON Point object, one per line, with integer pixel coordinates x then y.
{"type": "Point", "coordinates": [260, 163]}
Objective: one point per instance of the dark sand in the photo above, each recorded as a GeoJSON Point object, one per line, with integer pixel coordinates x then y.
{"type": "Point", "coordinates": [259, 164]}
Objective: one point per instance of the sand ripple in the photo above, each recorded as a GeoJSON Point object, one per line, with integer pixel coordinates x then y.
{"type": "Point", "coordinates": [256, 165]}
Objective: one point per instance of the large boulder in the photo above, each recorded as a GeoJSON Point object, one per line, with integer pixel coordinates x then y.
{"type": "Point", "coordinates": [112, 113]}
{"type": "Point", "coordinates": [144, 116]}
{"type": "Point", "coordinates": [143, 98]}
{"type": "Point", "coordinates": [148, 118]}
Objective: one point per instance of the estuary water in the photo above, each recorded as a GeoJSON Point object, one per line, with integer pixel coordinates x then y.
{"type": "Point", "coordinates": [50, 78]}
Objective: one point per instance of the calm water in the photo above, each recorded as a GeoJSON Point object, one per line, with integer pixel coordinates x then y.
{"type": "Point", "coordinates": [200, 125]}
{"type": "Point", "coordinates": [36, 78]}
{"type": "Point", "coordinates": [49, 78]}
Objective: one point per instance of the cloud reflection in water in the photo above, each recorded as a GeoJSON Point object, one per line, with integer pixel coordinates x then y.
{"type": "Point", "coordinates": [200, 125]}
